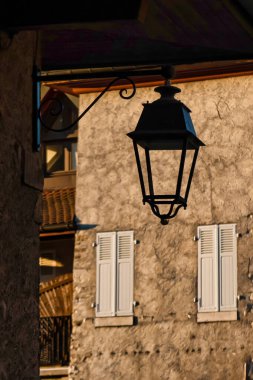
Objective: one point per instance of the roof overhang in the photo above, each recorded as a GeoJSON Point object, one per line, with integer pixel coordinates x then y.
{"type": "Point", "coordinates": [76, 82]}
{"type": "Point", "coordinates": [147, 32]}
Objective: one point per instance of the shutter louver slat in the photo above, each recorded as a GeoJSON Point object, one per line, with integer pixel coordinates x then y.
{"type": "Point", "coordinates": [105, 250]}
{"type": "Point", "coordinates": [124, 250]}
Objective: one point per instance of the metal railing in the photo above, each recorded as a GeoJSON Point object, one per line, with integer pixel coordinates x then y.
{"type": "Point", "coordinates": [55, 335]}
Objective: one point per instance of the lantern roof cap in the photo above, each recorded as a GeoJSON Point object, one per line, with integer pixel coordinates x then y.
{"type": "Point", "coordinates": [166, 119]}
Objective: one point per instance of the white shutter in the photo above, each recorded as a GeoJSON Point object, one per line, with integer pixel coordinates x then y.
{"type": "Point", "coordinates": [228, 266]}
{"type": "Point", "coordinates": [106, 266]}
{"type": "Point", "coordinates": [208, 268]}
{"type": "Point", "coordinates": [125, 257]}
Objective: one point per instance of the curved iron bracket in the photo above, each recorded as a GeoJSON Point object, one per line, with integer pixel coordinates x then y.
{"type": "Point", "coordinates": [57, 108]}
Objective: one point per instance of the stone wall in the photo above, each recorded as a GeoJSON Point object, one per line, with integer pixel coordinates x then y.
{"type": "Point", "coordinates": [19, 211]}
{"type": "Point", "coordinates": [167, 342]}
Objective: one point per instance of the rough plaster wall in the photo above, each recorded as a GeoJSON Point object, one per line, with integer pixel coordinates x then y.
{"type": "Point", "coordinates": [19, 211]}
{"type": "Point", "coordinates": [167, 343]}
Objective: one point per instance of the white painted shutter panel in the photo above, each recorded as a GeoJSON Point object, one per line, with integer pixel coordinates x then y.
{"type": "Point", "coordinates": [106, 266]}
{"type": "Point", "coordinates": [125, 258]}
{"type": "Point", "coordinates": [208, 268]}
{"type": "Point", "coordinates": [228, 266]}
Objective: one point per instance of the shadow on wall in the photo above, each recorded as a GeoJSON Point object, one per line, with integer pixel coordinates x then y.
{"type": "Point", "coordinates": [248, 369]}
{"type": "Point", "coordinates": [80, 226]}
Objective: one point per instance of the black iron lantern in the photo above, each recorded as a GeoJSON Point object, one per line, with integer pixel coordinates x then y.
{"type": "Point", "coordinates": [165, 127]}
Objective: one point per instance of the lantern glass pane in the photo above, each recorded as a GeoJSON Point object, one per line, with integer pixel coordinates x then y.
{"type": "Point", "coordinates": [165, 169]}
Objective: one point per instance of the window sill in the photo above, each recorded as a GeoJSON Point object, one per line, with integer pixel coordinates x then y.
{"type": "Point", "coordinates": [60, 180]}
{"type": "Point", "coordinates": [60, 173]}
{"type": "Point", "coordinates": [217, 316]}
{"type": "Point", "coordinates": [114, 321]}
{"type": "Point", "coordinates": [53, 371]}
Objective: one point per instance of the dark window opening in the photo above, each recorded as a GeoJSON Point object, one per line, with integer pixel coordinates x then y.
{"type": "Point", "coordinates": [56, 293]}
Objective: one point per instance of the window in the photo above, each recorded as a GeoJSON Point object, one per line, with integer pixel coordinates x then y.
{"type": "Point", "coordinates": [114, 274]}
{"type": "Point", "coordinates": [60, 156]}
{"type": "Point", "coordinates": [58, 111]}
{"type": "Point", "coordinates": [217, 272]}
{"type": "Point", "coordinates": [56, 257]}
{"type": "Point", "coordinates": [48, 264]}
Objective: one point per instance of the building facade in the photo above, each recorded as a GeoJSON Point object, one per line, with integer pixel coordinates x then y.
{"type": "Point", "coordinates": [168, 302]}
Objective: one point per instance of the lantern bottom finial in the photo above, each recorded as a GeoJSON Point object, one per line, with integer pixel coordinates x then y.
{"type": "Point", "coordinates": [174, 207]}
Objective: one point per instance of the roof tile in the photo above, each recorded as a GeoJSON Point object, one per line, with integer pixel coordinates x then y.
{"type": "Point", "coordinates": [58, 207]}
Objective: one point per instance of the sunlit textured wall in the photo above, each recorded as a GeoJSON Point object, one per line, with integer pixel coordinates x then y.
{"type": "Point", "coordinates": [167, 343]}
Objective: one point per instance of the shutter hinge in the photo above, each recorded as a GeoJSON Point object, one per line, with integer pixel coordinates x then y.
{"type": "Point", "coordinates": [136, 242]}
{"type": "Point", "coordinates": [93, 305]}
{"type": "Point", "coordinates": [94, 244]}
{"type": "Point", "coordinates": [195, 238]}
{"type": "Point", "coordinates": [195, 299]}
